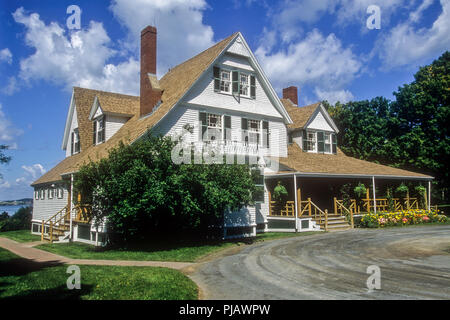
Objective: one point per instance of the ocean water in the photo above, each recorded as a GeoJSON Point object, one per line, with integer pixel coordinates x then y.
{"type": "Point", "coordinates": [9, 209]}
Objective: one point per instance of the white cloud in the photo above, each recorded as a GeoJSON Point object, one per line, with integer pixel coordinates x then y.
{"type": "Point", "coordinates": [11, 87]}
{"type": "Point", "coordinates": [5, 185]}
{"type": "Point", "coordinates": [35, 170]}
{"type": "Point", "coordinates": [7, 131]}
{"type": "Point", "coordinates": [332, 97]}
{"type": "Point", "coordinates": [80, 58]}
{"type": "Point", "coordinates": [181, 31]}
{"type": "Point", "coordinates": [407, 44]}
{"type": "Point", "coordinates": [6, 56]}
{"type": "Point", "coordinates": [316, 60]}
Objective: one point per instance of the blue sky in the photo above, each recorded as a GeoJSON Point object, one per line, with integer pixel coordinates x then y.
{"type": "Point", "coordinates": [322, 46]}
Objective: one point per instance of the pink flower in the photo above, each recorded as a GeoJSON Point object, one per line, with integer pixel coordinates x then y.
{"type": "Point", "coordinates": [425, 218]}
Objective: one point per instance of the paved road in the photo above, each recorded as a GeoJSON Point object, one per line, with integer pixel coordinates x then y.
{"type": "Point", "coordinates": [414, 264]}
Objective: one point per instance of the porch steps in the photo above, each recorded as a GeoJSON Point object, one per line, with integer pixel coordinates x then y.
{"type": "Point", "coordinates": [335, 223]}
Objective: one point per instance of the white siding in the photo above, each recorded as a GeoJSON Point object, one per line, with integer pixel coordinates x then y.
{"type": "Point", "coordinates": [73, 126]}
{"type": "Point", "coordinates": [320, 123]}
{"type": "Point", "coordinates": [113, 124]}
{"type": "Point", "coordinates": [46, 208]}
{"type": "Point", "coordinates": [203, 94]}
{"type": "Point", "coordinates": [238, 48]}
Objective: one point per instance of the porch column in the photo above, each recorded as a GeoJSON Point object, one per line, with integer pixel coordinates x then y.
{"type": "Point", "coordinates": [374, 197]}
{"type": "Point", "coordinates": [71, 206]}
{"type": "Point", "coordinates": [295, 201]}
{"type": "Point", "coordinates": [429, 195]}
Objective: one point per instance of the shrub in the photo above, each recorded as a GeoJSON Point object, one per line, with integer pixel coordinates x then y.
{"type": "Point", "coordinates": [142, 194]}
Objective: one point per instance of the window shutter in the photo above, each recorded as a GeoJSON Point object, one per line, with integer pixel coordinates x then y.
{"type": "Point", "coordinates": [227, 123]}
{"type": "Point", "coordinates": [235, 81]}
{"type": "Point", "coordinates": [244, 127]}
{"type": "Point", "coordinates": [334, 141]}
{"type": "Point", "coordinates": [216, 79]}
{"type": "Point", "coordinates": [72, 143]}
{"type": "Point", "coordinates": [266, 139]}
{"type": "Point", "coordinates": [320, 142]}
{"type": "Point", "coordinates": [304, 137]}
{"type": "Point", "coordinates": [202, 119]}
{"type": "Point", "coordinates": [94, 140]}
{"type": "Point", "coordinates": [252, 87]}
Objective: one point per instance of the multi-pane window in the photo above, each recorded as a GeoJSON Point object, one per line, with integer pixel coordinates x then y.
{"type": "Point", "coordinates": [327, 142]}
{"type": "Point", "coordinates": [244, 84]}
{"type": "Point", "coordinates": [75, 147]}
{"type": "Point", "coordinates": [235, 82]}
{"type": "Point", "coordinates": [319, 141]}
{"type": "Point", "coordinates": [99, 130]}
{"type": "Point", "coordinates": [225, 80]}
{"type": "Point", "coordinates": [253, 131]}
{"type": "Point", "coordinates": [258, 180]}
{"type": "Point", "coordinates": [42, 194]}
{"type": "Point", "coordinates": [50, 193]}
{"type": "Point", "coordinates": [36, 194]}
{"type": "Point", "coordinates": [310, 141]}
{"type": "Point", "coordinates": [213, 127]}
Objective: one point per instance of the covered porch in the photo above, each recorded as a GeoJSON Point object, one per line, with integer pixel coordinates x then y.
{"type": "Point", "coordinates": [328, 201]}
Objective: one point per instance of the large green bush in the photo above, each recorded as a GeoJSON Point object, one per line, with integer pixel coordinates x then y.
{"type": "Point", "coordinates": [143, 194]}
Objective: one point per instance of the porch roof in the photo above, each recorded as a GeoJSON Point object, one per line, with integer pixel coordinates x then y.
{"type": "Point", "coordinates": [337, 165]}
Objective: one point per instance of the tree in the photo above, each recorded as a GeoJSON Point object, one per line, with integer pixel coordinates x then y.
{"type": "Point", "coordinates": [21, 220]}
{"type": "Point", "coordinates": [411, 132]}
{"type": "Point", "coordinates": [143, 194]}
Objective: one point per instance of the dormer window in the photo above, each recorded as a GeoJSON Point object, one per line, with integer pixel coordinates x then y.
{"type": "Point", "coordinates": [225, 81]}
{"type": "Point", "coordinates": [99, 130]}
{"type": "Point", "coordinates": [75, 142]}
{"type": "Point", "coordinates": [319, 142]}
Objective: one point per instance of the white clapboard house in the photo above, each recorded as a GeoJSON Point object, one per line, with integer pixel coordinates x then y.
{"type": "Point", "coordinates": [224, 97]}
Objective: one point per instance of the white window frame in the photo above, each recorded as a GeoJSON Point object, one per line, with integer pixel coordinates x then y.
{"type": "Point", "coordinates": [36, 194]}
{"type": "Point", "coordinates": [76, 135]}
{"type": "Point", "coordinates": [100, 119]}
{"type": "Point", "coordinates": [252, 133]}
{"type": "Point", "coordinates": [50, 193]}
{"type": "Point", "coordinates": [214, 128]}
{"type": "Point", "coordinates": [225, 82]}
{"type": "Point", "coordinates": [313, 141]}
{"type": "Point", "coordinates": [60, 192]}
{"type": "Point", "coordinates": [42, 194]}
{"type": "Point", "coordinates": [327, 144]}
{"type": "Point", "coordinates": [244, 85]}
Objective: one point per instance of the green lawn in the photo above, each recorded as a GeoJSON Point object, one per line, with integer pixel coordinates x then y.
{"type": "Point", "coordinates": [20, 236]}
{"type": "Point", "coordinates": [186, 252]}
{"type": "Point", "coordinates": [21, 279]}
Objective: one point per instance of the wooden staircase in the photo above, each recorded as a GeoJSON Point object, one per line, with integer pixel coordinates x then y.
{"type": "Point", "coordinates": [335, 222]}
{"type": "Point", "coordinates": [57, 226]}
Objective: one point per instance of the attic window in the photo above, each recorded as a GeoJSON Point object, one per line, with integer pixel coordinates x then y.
{"type": "Point", "coordinates": [75, 142]}
{"type": "Point", "coordinates": [235, 82]}
{"type": "Point", "coordinates": [99, 130]}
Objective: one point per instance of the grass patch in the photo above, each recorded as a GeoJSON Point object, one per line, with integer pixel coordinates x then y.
{"type": "Point", "coordinates": [24, 279]}
{"type": "Point", "coordinates": [163, 251]}
{"type": "Point", "coordinates": [20, 236]}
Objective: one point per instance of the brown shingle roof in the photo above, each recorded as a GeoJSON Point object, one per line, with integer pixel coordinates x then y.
{"type": "Point", "coordinates": [174, 84]}
{"type": "Point", "coordinates": [305, 162]}
{"type": "Point", "coordinates": [299, 115]}
{"type": "Point", "coordinates": [118, 104]}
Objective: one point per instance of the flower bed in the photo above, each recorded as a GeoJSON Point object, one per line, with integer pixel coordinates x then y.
{"type": "Point", "coordinates": [401, 218]}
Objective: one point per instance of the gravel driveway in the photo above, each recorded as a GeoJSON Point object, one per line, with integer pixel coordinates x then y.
{"type": "Point", "coordinates": [414, 264]}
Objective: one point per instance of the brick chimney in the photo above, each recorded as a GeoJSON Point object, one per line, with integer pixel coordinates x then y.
{"type": "Point", "coordinates": [150, 90]}
{"type": "Point", "coordinates": [291, 93]}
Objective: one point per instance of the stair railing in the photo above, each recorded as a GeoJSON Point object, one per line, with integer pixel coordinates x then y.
{"type": "Point", "coordinates": [339, 206]}
{"type": "Point", "coordinates": [54, 221]}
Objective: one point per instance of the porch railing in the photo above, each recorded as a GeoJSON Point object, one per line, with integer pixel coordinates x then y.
{"type": "Point", "coordinates": [307, 207]}
{"type": "Point", "coordinates": [382, 204]}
